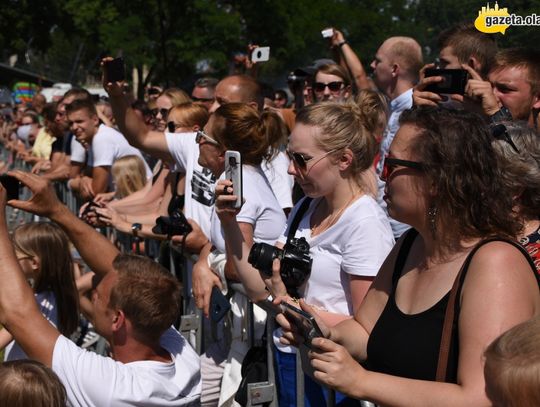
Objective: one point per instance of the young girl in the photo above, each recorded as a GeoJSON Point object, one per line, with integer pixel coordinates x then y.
{"type": "Point", "coordinates": [44, 256]}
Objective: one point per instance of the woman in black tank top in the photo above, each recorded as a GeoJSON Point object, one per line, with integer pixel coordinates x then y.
{"type": "Point", "coordinates": [443, 179]}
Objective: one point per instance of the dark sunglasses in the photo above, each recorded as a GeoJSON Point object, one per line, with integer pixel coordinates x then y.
{"type": "Point", "coordinates": [333, 86]}
{"type": "Point", "coordinates": [163, 112]}
{"type": "Point", "coordinates": [500, 132]}
{"type": "Point", "coordinates": [172, 126]}
{"type": "Point", "coordinates": [302, 161]}
{"type": "Point", "coordinates": [202, 100]}
{"type": "Point", "coordinates": [390, 165]}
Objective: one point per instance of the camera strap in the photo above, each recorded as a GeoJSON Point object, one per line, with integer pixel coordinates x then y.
{"type": "Point", "coordinates": [298, 217]}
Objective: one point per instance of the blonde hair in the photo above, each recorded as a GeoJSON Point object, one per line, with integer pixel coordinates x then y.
{"type": "Point", "coordinates": [512, 369]}
{"type": "Point", "coordinates": [176, 96]}
{"type": "Point", "coordinates": [29, 383]}
{"type": "Point", "coordinates": [375, 111]}
{"type": "Point", "coordinates": [190, 114]}
{"type": "Point", "coordinates": [129, 174]}
{"type": "Point", "coordinates": [342, 126]}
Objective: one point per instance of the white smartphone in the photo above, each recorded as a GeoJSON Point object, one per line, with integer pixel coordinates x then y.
{"type": "Point", "coordinates": [260, 54]}
{"type": "Point", "coordinates": [327, 32]}
{"type": "Point", "coordinates": [233, 172]}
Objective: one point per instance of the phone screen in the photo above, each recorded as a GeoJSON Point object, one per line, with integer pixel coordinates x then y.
{"type": "Point", "coordinates": [115, 70]}
{"type": "Point", "coordinates": [12, 185]}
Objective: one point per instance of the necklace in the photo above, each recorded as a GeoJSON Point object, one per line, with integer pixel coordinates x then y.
{"type": "Point", "coordinates": [331, 220]}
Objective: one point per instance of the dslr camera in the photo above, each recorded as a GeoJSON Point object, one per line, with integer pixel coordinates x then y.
{"type": "Point", "coordinates": [172, 225]}
{"type": "Point", "coordinates": [294, 257]}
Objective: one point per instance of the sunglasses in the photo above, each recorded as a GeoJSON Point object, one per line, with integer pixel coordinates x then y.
{"type": "Point", "coordinates": [302, 161]}
{"type": "Point", "coordinates": [200, 135]}
{"type": "Point", "coordinates": [172, 126]}
{"type": "Point", "coordinates": [390, 165]}
{"type": "Point", "coordinates": [202, 100]}
{"type": "Point", "coordinates": [333, 86]}
{"type": "Point", "coordinates": [163, 112]}
{"type": "Point", "coordinates": [500, 132]}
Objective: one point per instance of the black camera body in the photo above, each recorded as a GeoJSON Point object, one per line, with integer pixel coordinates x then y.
{"type": "Point", "coordinates": [172, 225]}
{"type": "Point", "coordinates": [294, 257]}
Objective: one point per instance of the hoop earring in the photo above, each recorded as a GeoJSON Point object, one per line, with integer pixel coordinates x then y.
{"type": "Point", "coordinates": [432, 217]}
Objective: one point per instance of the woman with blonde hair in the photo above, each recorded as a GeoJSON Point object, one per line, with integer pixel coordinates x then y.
{"type": "Point", "coordinates": [168, 99]}
{"type": "Point", "coordinates": [129, 175]}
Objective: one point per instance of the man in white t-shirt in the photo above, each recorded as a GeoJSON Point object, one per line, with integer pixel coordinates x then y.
{"type": "Point", "coordinates": [133, 306]}
{"type": "Point", "coordinates": [105, 144]}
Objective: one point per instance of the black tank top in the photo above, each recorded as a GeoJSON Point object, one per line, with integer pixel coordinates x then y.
{"type": "Point", "coordinates": [408, 345]}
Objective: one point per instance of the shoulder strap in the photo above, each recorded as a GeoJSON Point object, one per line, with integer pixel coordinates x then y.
{"type": "Point", "coordinates": [402, 255]}
{"type": "Point", "coordinates": [452, 308]}
{"type": "Point", "coordinates": [298, 217]}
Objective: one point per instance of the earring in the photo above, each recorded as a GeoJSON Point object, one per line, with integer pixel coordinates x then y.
{"type": "Point", "coordinates": [432, 217]}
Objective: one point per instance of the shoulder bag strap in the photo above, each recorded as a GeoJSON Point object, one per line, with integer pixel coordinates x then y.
{"type": "Point", "coordinates": [298, 217]}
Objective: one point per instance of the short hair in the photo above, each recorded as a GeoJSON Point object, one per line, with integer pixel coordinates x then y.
{"type": "Point", "coordinates": [521, 169]}
{"type": "Point", "coordinates": [466, 41]}
{"type": "Point", "coordinates": [207, 82]}
{"type": "Point", "coordinates": [512, 368]}
{"type": "Point", "coordinates": [337, 70]}
{"type": "Point", "coordinates": [257, 136]}
{"type": "Point", "coordinates": [30, 383]}
{"type": "Point", "coordinates": [250, 91]}
{"type": "Point", "coordinates": [80, 104]}
{"type": "Point", "coordinates": [341, 126]}
{"type": "Point", "coordinates": [526, 58]}
{"type": "Point", "coordinates": [407, 52]}
{"type": "Point", "coordinates": [33, 115]}
{"type": "Point", "coordinates": [129, 175]}
{"type": "Point", "coordinates": [176, 96]}
{"type": "Point", "coordinates": [191, 114]}
{"type": "Point", "coordinates": [454, 147]}
{"type": "Point", "coordinates": [77, 94]}
{"type": "Point", "coordinates": [147, 293]}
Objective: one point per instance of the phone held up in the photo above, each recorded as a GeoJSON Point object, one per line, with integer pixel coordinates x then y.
{"type": "Point", "coordinates": [303, 321]}
{"type": "Point", "coordinates": [260, 54]}
{"type": "Point", "coordinates": [233, 172]}
{"type": "Point", "coordinates": [454, 81]}
{"type": "Point", "coordinates": [12, 186]}
{"type": "Point", "coordinates": [115, 70]}
{"type": "Point", "coordinates": [327, 32]}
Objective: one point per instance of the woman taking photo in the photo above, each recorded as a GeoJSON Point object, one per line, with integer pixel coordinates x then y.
{"type": "Point", "coordinates": [442, 177]}
{"type": "Point", "coordinates": [348, 234]}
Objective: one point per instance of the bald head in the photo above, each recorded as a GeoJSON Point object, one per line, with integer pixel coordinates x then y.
{"type": "Point", "coordinates": [239, 89]}
{"type": "Point", "coordinates": [406, 52]}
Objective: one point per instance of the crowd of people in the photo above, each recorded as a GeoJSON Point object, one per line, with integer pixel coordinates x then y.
{"type": "Point", "coordinates": [401, 217]}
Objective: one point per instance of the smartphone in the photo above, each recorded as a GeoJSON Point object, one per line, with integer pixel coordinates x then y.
{"type": "Point", "coordinates": [327, 32]}
{"type": "Point", "coordinates": [219, 305]}
{"type": "Point", "coordinates": [233, 172]}
{"type": "Point", "coordinates": [12, 186]}
{"type": "Point", "coordinates": [304, 321]}
{"type": "Point", "coordinates": [260, 54]}
{"type": "Point", "coordinates": [115, 70]}
{"type": "Point", "coordinates": [454, 81]}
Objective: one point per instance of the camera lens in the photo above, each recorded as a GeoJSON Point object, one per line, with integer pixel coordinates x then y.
{"type": "Point", "coordinates": [261, 257]}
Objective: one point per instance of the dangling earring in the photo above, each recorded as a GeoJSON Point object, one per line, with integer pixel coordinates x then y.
{"type": "Point", "coordinates": [432, 217]}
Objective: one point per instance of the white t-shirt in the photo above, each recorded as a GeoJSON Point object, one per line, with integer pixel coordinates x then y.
{"type": "Point", "coordinates": [260, 209]}
{"type": "Point", "coordinates": [79, 153]}
{"type": "Point", "coordinates": [200, 182]}
{"type": "Point", "coordinates": [94, 380]}
{"type": "Point", "coordinates": [357, 244]}
{"type": "Point", "coordinates": [280, 181]}
{"type": "Point", "coordinates": [108, 145]}
{"type": "Point", "coordinates": [46, 302]}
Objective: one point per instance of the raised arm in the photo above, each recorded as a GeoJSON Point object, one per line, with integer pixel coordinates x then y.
{"type": "Point", "coordinates": [350, 59]}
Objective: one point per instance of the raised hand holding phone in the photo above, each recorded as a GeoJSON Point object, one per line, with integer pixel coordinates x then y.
{"type": "Point", "coordinates": [233, 172]}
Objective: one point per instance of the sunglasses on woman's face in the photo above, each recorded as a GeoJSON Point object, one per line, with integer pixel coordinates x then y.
{"type": "Point", "coordinates": [333, 86]}
{"type": "Point", "coordinates": [201, 135]}
{"type": "Point", "coordinates": [163, 112]}
{"type": "Point", "coordinates": [390, 165]}
{"type": "Point", "coordinates": [302, 161]}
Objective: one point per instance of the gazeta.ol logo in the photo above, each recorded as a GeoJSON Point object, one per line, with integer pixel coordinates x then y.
{"type": "Point", "coordinates": [498, 19]}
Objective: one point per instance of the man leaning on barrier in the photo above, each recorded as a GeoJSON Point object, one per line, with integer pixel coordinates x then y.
{"type": "Point", "coordinates": [134, 306]}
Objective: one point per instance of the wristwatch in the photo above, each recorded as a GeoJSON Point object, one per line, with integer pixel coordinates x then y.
{"type": "Point", "coordinates": [503, 115]}
{"type": "Point", "coordinates": [135, 228]}
{"type": "Point", "coordinates": [342, 43]}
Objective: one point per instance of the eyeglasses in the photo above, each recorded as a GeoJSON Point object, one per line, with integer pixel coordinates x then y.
{"type": "Point", "coordinates": [333, 86]}
{"type": "Point", "coordinates": [202, 135]}
{"type": "Point", "coordinates": [390, 165]}
{"type": "Point", "coordinates": [172, 126]}
{"type": "Point", "coordinates": [302, 161]}
{"type": "Point", "coordinates": [202, 100]}
{"type": "Point", "coordinates": [163, 112]}
{"type": "Point", "coordinates": [500, 132]}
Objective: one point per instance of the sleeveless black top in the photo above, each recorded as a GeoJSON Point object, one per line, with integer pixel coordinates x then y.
{"type": "Point", "coordinates": [407, 345]}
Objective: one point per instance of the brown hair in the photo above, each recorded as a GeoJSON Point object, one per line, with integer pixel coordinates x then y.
{"type": "Point", "coordinates": [375, 111]}
{"type": "Point", "coordinates": [342, 126]}
{"type": "Point", "coordinates": [147, 293]}
{"type": "Point", "coordinates": [129, 175]}
{"type": "Point", "coordinates": [526, 58]}
{"type": "Point", "coordinates": [240, 127]}
{"type": "Point", "coordinates": [521, 170]}
{"type": "Point", "coordinates": [176, 96]}
{"type": "Point", "coordinates": [50, 245]}
{"type": "Point", "coordinates": [191, 114]}
{"type": "Point", "coordinates": [32, 115]}
{"type": "Point", "coordinates": [512, 368]}
{"type": "Point", "coordinates": [80, 104]}
{"type": "Point", "coordinates": [460, 163]}
{"type": "Point", "coordinates": [29, 383]}
{"type": "Point", "coordinates": [337, 70]}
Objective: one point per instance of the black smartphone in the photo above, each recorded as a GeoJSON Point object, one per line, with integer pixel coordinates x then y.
{"type": "Point", "coordinates": [304, 321]}
{"type": "Point", "coordinates": [12, 186]}
{"type": "Point", "coordinates": [219, 305]}
{"type": "Point", "coordinates": [454, 81]}
{"type": "Point", "coordinates": [115, 70]}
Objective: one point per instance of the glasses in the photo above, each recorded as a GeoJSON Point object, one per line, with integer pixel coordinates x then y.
{"type": "Point", "coordinates": [163, 112]}
{"type": "Point", "coordinates": [333, 86]}
{"type": "Point", "coordinates": [500, 132]}
{"type": "Point", "coordinates": [202, 100]}
{"type": "Point", "coordinates": [172, 126]}
{"type": "Point", "coordinates": [202, 135]}
{"type": "Point", "coordinates": [302, 161]}
{"type": "Point", "coordinates": [390, 165]}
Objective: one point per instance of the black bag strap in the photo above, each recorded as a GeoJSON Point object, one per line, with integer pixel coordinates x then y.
{"type": "Point", "coordinates": [298, 217]}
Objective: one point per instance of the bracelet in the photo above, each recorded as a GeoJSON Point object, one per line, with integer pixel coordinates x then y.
{"type": "Point", "coordinates": [342, 43]}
